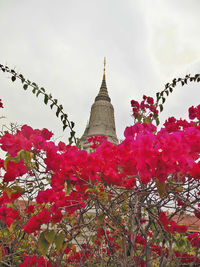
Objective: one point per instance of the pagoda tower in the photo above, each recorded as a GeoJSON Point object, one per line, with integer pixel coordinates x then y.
{"type": "Point", "coordinates": [102, 121]}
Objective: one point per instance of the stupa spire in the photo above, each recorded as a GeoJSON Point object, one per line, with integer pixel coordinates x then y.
{"type": "Point", "coordinates": [101, 120]}
{"type": "Point", "coordinates": [103, 92]}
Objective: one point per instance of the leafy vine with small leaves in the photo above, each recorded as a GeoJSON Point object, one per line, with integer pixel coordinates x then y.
{"type": "Point", "coordinates": [36, 90]}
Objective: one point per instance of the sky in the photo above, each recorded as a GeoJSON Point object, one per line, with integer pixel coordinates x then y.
{"type": "Point", "coordinates": [61, 45]}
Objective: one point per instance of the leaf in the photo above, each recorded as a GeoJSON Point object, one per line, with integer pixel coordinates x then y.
{"type": "Point", "coordinates": [161, 107]}
{"type": "Point", "coordinates": [72, 124]}
{"type": "Point", "coordinates": [13, 78]}
{"type": "Point", "coordinates": [171, 90]}
{"type": "Point", "coordinates": [163, 100]}
{"type": "Point", "coordinates": [34, 84]}
{"type": "Point", "coordinates": [167, 92]}
{"type": "Point", "coordinates": [72, 133]}
{"type": "Point", "coordinates": [43, 244]}
{"type": "Point", "coordinates": [51, 106]}
{"type": "Point", "coordinates": [38, 92]}
{"type": "Point", "coordinates": [22, 154]}
{"type": "Point", "coordinates": [49, 236]}
{"type": "Point", "coordinates": [58, 111]}
{"type": "Point", "coordinates": [10, 228]}
{"type": "Point", "coordinates": [161, 187]}
{"type": "Point", "coordinates": [158, 95]}
{"type": "Point", "coordinates": [34, 90]}
{"type": "Point", "coordinates": [16, 160]}
{"type": "Point", "coordinates": [64, 127]}
{"type": "Point", "coordinates": [8, 191]}
{"type": "Point", "coordinates": [25, 86]}
{"type": "Point", "coordinates": [157, 121]}
{"type": "Point", "coordinates": [68, 188]}
{"type": "Point", "coordinates": [18, 189]}
{"type": "Point", "coordinates": [26, 156]}
{"type": "Point", "coordinates": [46, 99]}
{"type": "Point", "coordinates": [167, 85]}
{"type": "Point", "coordinates": [59, 239]}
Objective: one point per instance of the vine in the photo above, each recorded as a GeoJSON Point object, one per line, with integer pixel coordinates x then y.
{"type": "Point", "coordinates": [169, 87]}
{"type": "Point", "coordinates": [36, 90]}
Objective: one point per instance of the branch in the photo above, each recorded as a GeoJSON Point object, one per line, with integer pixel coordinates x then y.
{"type": "Point", "coordinates": [47, 98]}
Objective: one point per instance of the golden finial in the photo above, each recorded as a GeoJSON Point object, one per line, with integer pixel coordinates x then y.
{"type": "Point", "coordinates": [104, 69]}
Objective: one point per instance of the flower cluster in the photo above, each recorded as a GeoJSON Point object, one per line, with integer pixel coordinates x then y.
{"type": "Point", "coordinates": [144, 109]}
{"type": "Point", "coordinates": [86, 208]}
{"type": "Point", "coordinates": [171, 226]}
{"type": "Point", "coordinates": [194, 112]}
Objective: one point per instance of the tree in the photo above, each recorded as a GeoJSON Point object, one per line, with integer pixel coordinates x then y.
{"type": "Point", "coordinates": [120, 205]}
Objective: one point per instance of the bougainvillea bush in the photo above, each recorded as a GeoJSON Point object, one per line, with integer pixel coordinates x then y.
{"type": "Point", "coordinates": [114, 206]}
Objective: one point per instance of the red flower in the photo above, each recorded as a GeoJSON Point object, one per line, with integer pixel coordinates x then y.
{"type": "Point", "coordinates": [192, 113]}
{"type": "Point", "coordinates": [1, 104]}
{"type": "Point", "coordinates": [8, 215]}
{"type": "Point", "coordinates": [32, 225]}
{"type": "Point", "coordinates": [44, 216]}
{"type": "Point", "coordinates": [14, 170]}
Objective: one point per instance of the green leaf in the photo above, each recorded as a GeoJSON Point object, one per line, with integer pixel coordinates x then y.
{"type": "Point", "coordinates": [25, 86]}
{"type": "Point", "coordinates": [161, 107]}
{"type": "Point", "coordinates": [38, 92]}
{"type": "Point", "coordinates": [58, 111]}
{"type": "Point", "coordinates": [72, 124]}
{"type": "Point", "coordinates": [18, 189]}
{"type": "Point", "coordinates": [167, 85]}
{"type": "Point", "coordinates": [16, 160]}
{"type": "Point", "coordinates": [34, 84]}
{"type": "Point", "coordinates": [64, 127]}
{"type": "Point", "coordinates": [43, 244]}
{"type": "Point", "coordinates": [167, 92]}
{"type": "Point", "coordinates": [163, 100]}
{"type": "Point", "coordinates": [8, 191]}
{"type": "Point", "coordinates": [46, 98]}
{"type": "Point", "coordinates": [72, 133]}
{"type": "Point", "coordinates": [51, 106]}
{"type": "Point", "coordinates": [157, 121]}
{"type": "Point", "coordinates": [26, 156]}
{"type": "Point", "coordinates": [49, 236]}
{"type": "Point", "coordinates": [170, 89]}
{"type": "Point", "coordinates": [34, 90]}
{"type": "Point", "coordinates": [59, 239]}
{"type": "Point", "coordinates": [22, 154]}
{"type": "Point", "coordinates": [161, 188]}
{"type": "Point", "coordinates": [13, 78]}
{"type": "Point", "coordinates": [42, 89]}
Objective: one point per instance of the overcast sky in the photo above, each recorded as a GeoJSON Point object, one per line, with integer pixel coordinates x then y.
{"type": "Point", "coordinates": [60, 45]}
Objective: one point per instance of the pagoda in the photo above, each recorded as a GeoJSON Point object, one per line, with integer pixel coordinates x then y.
{"type": "Point", "coordinates": [102, 121]}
